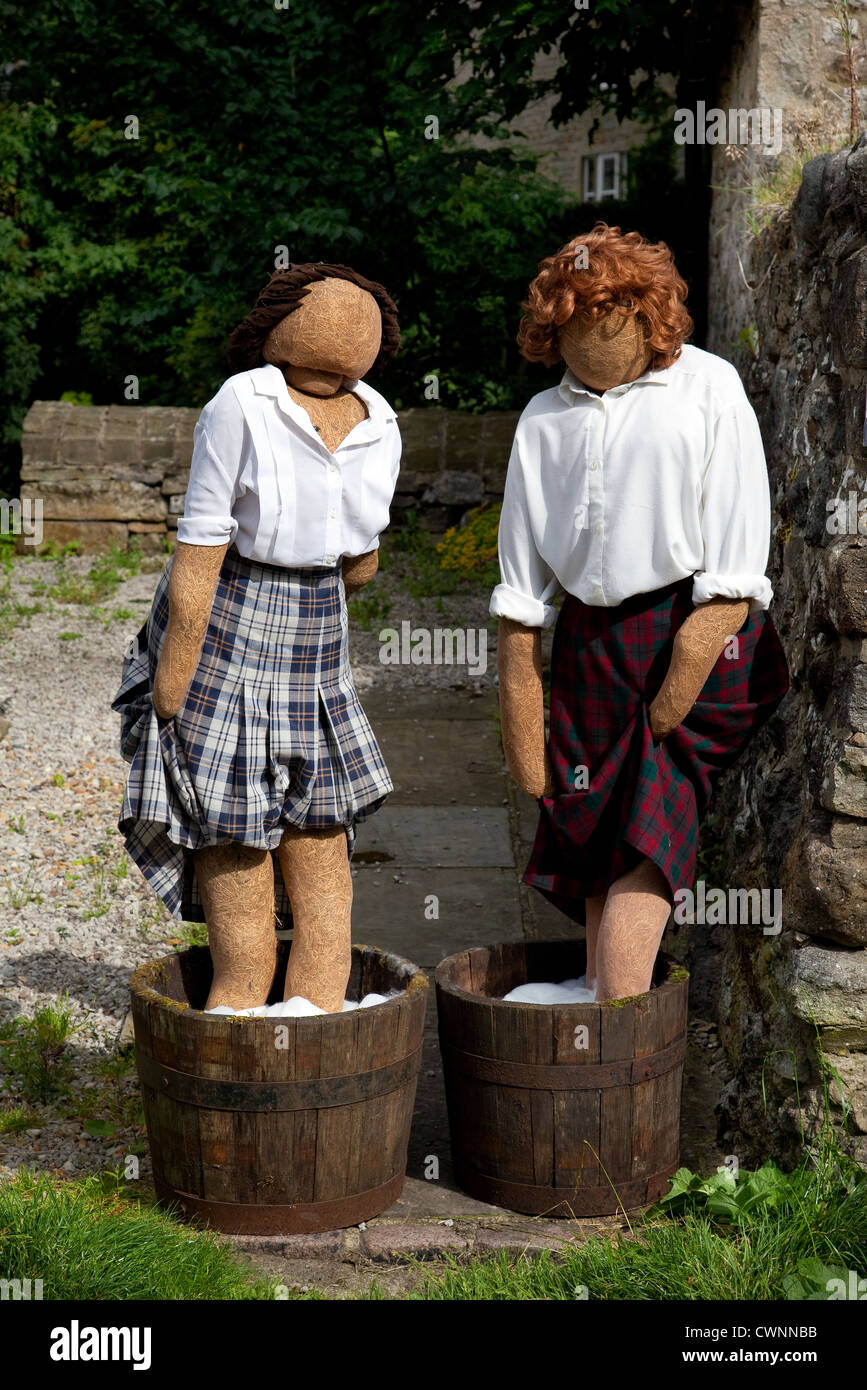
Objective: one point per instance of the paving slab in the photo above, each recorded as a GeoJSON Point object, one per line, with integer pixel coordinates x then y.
{"type": "Point", "coordinates": [450, 837]}
{"type": "Point", "coordinates": [424, 1199]}
{"type": "Point", "coordinates": [392, 908]}
{"type": "Point", "coordinates": [443, 762]}
{"type": "Point", "coordinates": [397, 700]}
{"type": "Point", "coordinates": [542, 920]}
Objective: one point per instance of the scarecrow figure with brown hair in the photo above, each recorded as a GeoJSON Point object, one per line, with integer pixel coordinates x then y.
{"type": "Point", "coordinates": [251, 759]}
{"type": "Point", "coordinates": [638, 489]}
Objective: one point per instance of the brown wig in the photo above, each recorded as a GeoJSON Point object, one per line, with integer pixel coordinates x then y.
{"type": "Point", "coordinates": [283, 293]}
{"type": "Point", "coordinates": [623, 269]}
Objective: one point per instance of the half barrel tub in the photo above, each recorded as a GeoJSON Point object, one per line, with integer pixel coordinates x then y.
{"type": "Point", "coordinates": [275, 1125]}
{"type": "Point", "coordinates": [560, 1109]}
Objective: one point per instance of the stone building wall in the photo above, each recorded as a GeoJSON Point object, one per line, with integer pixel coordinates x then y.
{"type": "Point", "coordinates": [787, 55]}
{"type": "Point", "coordinates": [793, 814]}
{"type": "Point", "coordinates": [106, 473]}
{"type": "Point", "coordinates": [562, 148]}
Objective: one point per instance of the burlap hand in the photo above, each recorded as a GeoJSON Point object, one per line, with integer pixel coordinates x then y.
{"type": "Point", "coordinates": [192, 583]}
{"type": "Point", "coordinates": [697, 648]}
{"type": "Point", "coordinates": [522, 709]}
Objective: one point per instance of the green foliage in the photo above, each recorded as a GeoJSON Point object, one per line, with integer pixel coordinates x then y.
{"type": "Point", "coordinates": [748, 340]}
{"type": "Point", "coordinates": [258, 128]}
{"type": "Point", "coordinates": [411, 553]}
{"type": "Point", "coordinates": [471, 549]}
{"type": "Point", "coordinates": [16, 1119]}
{"type": "Point", "coordinates": [261, 128]}
{"type": "Point", "coordinates": [34, 1051]}
{"type": "Point", "coordinates": [368, 609]}
{"type": "Point", "coordinates": [613, 54]}
{"type": "Point", "coordinates": [736, 1198]}
{"type": "Point", "coordinates": [98, 582]}
{"type": "Point", "coordinates": [188, 934]}
{"type": "Point", "coordinates": [812, 1279]}
{"type": "Point", "coordinates": [89, 1241]}
{"type": "Point", "coordinates": [20, 891]}
{"type": "Point", "coordinates": [762, 1235]}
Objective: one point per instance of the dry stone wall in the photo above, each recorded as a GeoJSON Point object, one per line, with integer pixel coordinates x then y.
{"type": "Point", "coordinates": [105, 473]}
{"type": "Point", "coordinates": [794, 812]}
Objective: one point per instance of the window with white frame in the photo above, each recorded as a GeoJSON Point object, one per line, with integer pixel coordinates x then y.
{"type": "Point", "coordinates": [604, 176]}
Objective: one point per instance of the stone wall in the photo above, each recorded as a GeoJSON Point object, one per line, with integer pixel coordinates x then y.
{"type": "Point", "coordinates": [794, 812]}
{"type": "Point", "coordinates": [787, 55]}
{"type": "Point", "coordinates": [105, 473]}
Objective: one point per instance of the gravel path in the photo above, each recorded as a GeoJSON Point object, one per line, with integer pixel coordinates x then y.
{"type": "Point", "coordinates": [75, 914]}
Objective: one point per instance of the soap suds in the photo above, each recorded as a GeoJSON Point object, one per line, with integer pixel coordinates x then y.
{"type": "Point", "coordinates": [299, 1007]}
{"type": "Point", "coordinates": [567, 992]}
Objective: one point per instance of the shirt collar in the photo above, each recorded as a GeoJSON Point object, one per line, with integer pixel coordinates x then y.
{"type": "Point", "coordinates": [570, 386]}
{"type": "Point", "coordinates": [270, 381]}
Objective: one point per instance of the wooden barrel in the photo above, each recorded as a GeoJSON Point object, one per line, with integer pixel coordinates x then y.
{"type": "Point", "coordinates": [559, 1109]}
{"type": "Point", "coordinates": [278, 1125]}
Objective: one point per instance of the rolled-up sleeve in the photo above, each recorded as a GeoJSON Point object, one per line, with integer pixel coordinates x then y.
{"type": "Point", "coordinates": [736, 512]}
{"type": "Point", "coordinates": [527, 583]}
{"type": "Point", "coordinates": [214, 471]}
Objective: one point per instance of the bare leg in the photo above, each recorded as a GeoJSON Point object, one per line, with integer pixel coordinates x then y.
{"type": "Point", "coordinates": [315, 869]}
{"type": "Point", "coordinates": [636, 911]}
{"type": "Point", "coordinates": [236, 884]}
{"type": "Point", "coordinates": [594, 907]}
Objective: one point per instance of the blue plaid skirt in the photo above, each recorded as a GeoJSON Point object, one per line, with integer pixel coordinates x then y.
{"type": "Point", "coordinates": [271, 732]}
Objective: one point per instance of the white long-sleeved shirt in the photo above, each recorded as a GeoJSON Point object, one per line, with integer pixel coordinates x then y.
{"type": "Point", "coordinates": [261, 476]}
{"type": "Point", "coordinates": [622, 493]}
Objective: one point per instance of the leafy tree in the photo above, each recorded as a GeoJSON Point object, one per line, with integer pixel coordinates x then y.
{"type": "Point", "coordinates": [153, 159]}
{"type": "Point", "coordinates": [614, 55]}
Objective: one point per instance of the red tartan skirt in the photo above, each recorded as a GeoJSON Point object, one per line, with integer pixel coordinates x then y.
{"type": "Point", "coordinates": [620, 795]}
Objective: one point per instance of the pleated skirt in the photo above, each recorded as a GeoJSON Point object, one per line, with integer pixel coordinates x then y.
{"type": "Point", "coordinates": [271, 732]}
{"type": "Point", "coordinates": [620, 795]}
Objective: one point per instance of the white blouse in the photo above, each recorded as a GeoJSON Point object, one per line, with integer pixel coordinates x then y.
{"type": "Point", "coordinates": [261, 476]}
{"type": "Point", "coordinates": [621, 493]}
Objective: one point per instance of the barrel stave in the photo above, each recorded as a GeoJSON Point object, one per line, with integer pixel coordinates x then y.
{"type": "Point", "coordinates": [278, 1170]}
{"type": "Point", "coordinates": [542, 1148]}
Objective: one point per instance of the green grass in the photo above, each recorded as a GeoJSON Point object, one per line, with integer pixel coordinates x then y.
{"type": "Point", "coordinates": [368, 609]}
{"type": "Point", "coordinates": [95, 586]}
{"type": "Point", "coordinates": [34, 1051]}
{"type": "Point", "coordinates": [770, 189]}
{"type": "Point", "coordinates": [16, 1119]}
{"type": "Point", "coordinates": [98, 583]}
{"type": "Point", "coordinates": [22, 892]}
{"type": "Point", "coordinates": [114, 1103]}
{"type": "Point", "coordinates": [187, 933]}
{"type": "Point", "coordinates": [765, 1236]}
{"type": "Point", "coordinates": [11, 614]}
{"type": "Point", "coordinates": [107, 869]}
{"type": "Point", "coordinates": [87, 1240]}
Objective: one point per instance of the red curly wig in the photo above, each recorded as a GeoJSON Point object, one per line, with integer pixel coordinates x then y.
{"type": "Point", "coordinates": [622, 269]}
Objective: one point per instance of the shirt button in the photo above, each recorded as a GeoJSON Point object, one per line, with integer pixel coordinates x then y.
{"type": "Point", "coordinates": [330, 559]}
{"type": "Point", "coordinates": [597, 530]}
{"type": "Point", "coordinates": [332, 514]}
{"type": "Point", "coordinates": [594, 465]}
{"type": "Point", "coordinates": [332, 467]}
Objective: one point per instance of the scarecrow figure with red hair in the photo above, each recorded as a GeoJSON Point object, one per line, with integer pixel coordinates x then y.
{"type": "Point", "coordinates": [638, 489]}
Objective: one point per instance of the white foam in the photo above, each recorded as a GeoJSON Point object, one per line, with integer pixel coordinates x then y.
{"type": "Point", "coordinates": [299, 1007]}
{"type": "Point", "coordinates": [541, 992]}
